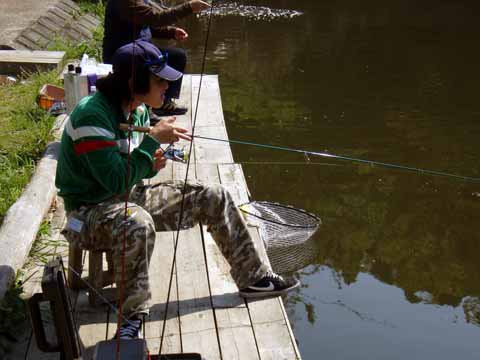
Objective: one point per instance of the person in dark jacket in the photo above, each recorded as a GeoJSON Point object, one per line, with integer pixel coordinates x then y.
{"type": "Point", "coordinates": [129, 20]}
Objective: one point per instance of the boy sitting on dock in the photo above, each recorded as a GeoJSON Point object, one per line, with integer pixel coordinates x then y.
{"type": "Point", "coordinates": [98, 162]}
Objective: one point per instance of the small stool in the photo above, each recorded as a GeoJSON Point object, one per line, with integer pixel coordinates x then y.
{"type": "Point", "coordinates": [97, 277]}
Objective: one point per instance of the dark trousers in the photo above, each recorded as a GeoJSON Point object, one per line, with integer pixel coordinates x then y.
{"type": "Point", "coordinates": [177, 59]}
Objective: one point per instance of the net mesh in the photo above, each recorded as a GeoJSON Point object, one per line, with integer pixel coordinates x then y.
{"type": "Point", "coordinates": [285, 231]}
{"type": "Point", "coordinates": [280, 225]}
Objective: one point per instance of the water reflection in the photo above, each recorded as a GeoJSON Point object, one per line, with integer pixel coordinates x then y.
{"type": "Point", "coordinates": [395, 82]}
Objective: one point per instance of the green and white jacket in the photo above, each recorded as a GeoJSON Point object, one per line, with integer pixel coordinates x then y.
{"type": "Point", "coordinates": [92, 164]}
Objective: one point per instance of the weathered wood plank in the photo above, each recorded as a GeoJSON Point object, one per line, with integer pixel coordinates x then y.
{"type": "Point", "coordinates": [210, 112]}
{"type": "Point", "coordinates": [44, 33]}
{"type": "Point", "coordinates": [224, 291]}
{"type": "Point", "coordinates": [185, 100]}
{"type": "Point", "coordinates": [82, 32]}
{"type": "Point", "coordinates": [209, 122]}
{"type": "Point", "coordinates": [72, 11]}
{"type": "Point", "coordinates": [71, 5]}
{"type": "Point", "coordinates": [62, 14]}
{"type": "Point", "coordinates": [267, 315]}
{"type": "Point", "coordinates": [205, 149]}
{"type": "Point", "coordinates": [34, 37]}
{"type": "Point", "coordinates": [93, 325]}
{"type": "Point", "coordinates": [231, 176]}
{"type": "Point", "coordinates": [196, 315]}
{"type": "Point", "coordinates": [236, 337]}
{"type": "Point", "coordinates": [160, 268]}
{"type": "Point", "coordinates": [92, 19]}
{"type": "Point", "coordinates": [49, 24]}
{"type": "Point", "coordinates": [235, 334]}
{"type": "Point", "coordinates": [57, 19]}
{"type": "Point", "coordinates": [50, 57]}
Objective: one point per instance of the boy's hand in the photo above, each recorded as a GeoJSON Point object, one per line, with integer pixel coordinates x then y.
{"type": "Point", "coordinates": [198, 5]}
{"type": "Point", "coordinates": [159, 161]}
{"type": "Point", "coordinates": [166, 132]}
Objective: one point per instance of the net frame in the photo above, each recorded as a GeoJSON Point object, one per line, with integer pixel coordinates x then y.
{"type": "Point", "coordinates": [286, 232]}
{"type": "Point", "coordinates": [281, 225]}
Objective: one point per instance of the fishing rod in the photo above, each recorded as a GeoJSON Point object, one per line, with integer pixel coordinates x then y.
{"type": "Point", "coordinates": [307, 153]}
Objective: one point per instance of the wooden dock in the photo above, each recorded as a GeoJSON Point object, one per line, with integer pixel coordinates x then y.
{"type": "Point", "coordinates": [205, 313]}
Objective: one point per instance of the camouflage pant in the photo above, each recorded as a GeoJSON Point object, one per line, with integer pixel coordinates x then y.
{"type": "Point", "coordinates": [157, 208]}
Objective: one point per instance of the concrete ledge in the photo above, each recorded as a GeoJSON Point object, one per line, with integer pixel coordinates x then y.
{"type": "Point", "coordinates": [23, 219]}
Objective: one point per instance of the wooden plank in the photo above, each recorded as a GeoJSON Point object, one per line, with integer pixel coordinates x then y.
{"type": "Point", "coordinates": [87, 24]}
{"type": "Point", "coordinates": [179, 169]}
{"type": "Point", "coordinates": [210, 112]}
{"type": "Point", "coordinates": [29, 45]}
{"type": "Point", "coordinates": [71, 5]}
{"type": "Point", "coordinates": [44, 34]}
{"type": "Point", "coordinates": [62, 14]}
{"type": "Point", "coordinates": [224, 291]}
{"type": "Point", "coordinates": [270, 324]}
{"type": "Point", "coordinates": [205, 149]}
{"type": "Point", "coordinates": [160, 269]}
{"type": "Point", "coordinates": [231, 176]}
{"type": "Point", "coordinates": [92, 324]}
{"type": "Point", "coordinates": [197, 320]}
{"type": "Point", "coordinates": [82, 33]}
{"type": "Point", "coordinates": [92, 20]}
{"type": "Point", "coordinates": [54, 17]}
{"type": "Point", "coordinates": [72, 11]}
{"type": "Point", "coordinates": [49, 24]}
{"type": "Point", "coordinates": [185, 100]}
{"type": "Point", "coordinates": [209, 122]}
{"type": "Point", "coordinates": [35, 37]}
{"type": "Point", "coordinates": [35, 57]}
{"type": "Point", "coordinates": [236, 337]}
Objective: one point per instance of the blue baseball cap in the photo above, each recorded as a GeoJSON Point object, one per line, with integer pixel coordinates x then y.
{"type": "Point", "coordinates": [144, 53]}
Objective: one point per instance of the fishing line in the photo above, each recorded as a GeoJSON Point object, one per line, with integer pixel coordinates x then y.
{"type": "Point", "coordinates": [341, 157]}
{"type": "Point", "coordinates": [182, 207]}
{"type": "Point", "coordinates": [323, 154]}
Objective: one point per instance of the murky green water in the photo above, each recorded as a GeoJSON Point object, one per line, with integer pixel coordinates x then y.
{"type": "Point", "coordinates": [397, 270]}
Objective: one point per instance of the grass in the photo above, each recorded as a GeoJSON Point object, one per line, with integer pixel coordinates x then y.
{"type": "Point", "coordinates": [26, 129]}
{"type": "Point", "coordinates": [93, 7]}
{"type": "Point", "coordinates": [13, 315]}
{"type": "Point", "coordinates": [75, 50]}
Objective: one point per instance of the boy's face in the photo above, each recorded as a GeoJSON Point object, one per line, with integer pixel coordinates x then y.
{"type": "Point", "coordinates": [156, 95]}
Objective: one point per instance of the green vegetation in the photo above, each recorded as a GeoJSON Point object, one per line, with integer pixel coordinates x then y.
{"type": "Point", "coordinates": [13, 315]}
{"type": "Point", "coordinates": [93, 7]}
{"type": "Point", "coordinates": [25, 133]}
{"type": "Point", "coordinates": [26, 127]}
{"type": "Point", "coordinates": [75, 50]}
{"type": "Point", "coordinates": [93, 47]}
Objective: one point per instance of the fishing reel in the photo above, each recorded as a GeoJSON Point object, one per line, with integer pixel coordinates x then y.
{"type": "Point", "coordinates": [174, 154]}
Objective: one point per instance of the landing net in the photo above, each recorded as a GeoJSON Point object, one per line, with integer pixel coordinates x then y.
{"type": "Point", "coordinates": [280, 225]}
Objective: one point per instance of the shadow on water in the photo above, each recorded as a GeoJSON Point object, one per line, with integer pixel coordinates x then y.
{"type": "Point", "coordinates": [392, 81]}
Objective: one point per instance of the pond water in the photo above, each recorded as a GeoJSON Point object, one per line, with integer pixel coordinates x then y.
{"type": "Point", "coordinates": [395, 272]}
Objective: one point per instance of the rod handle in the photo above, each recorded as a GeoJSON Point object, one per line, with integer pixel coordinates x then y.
{"type": "Point", "coordinates": [126, 127]}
